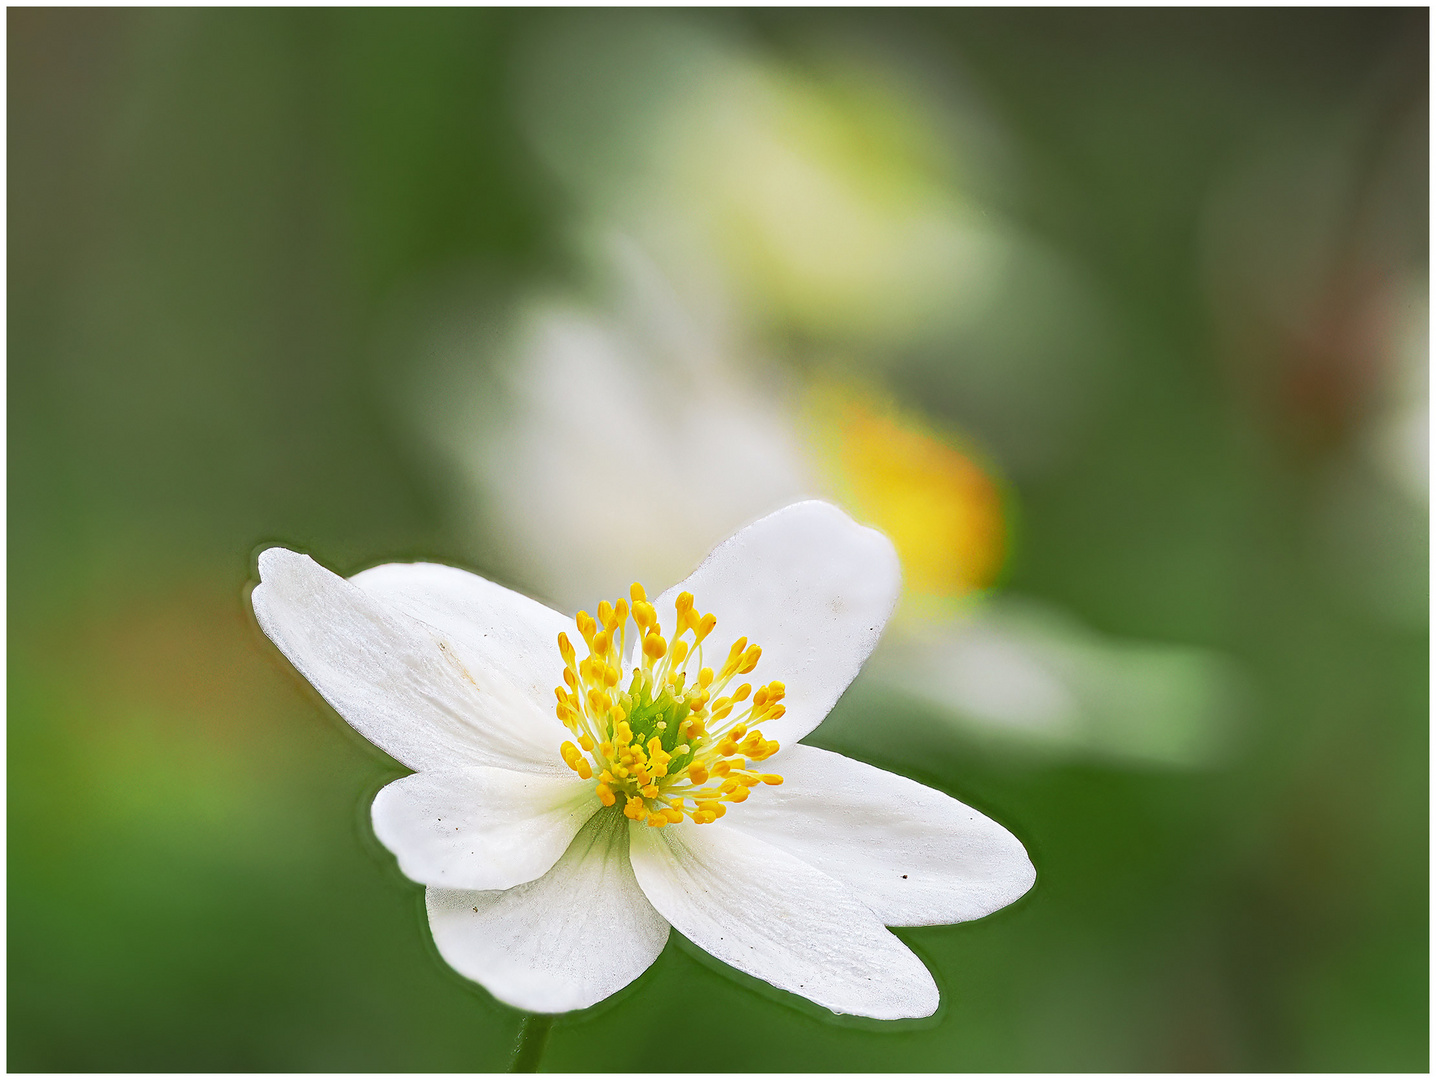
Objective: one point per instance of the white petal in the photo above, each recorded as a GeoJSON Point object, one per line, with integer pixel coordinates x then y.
{"type": "Point", "coordinates": [768, 913]}
{"type": "Point", "coordinates": [491, 628]}
{"type": "Point", "coordinates": [397, 681]}
{"type": "Point", "coordinates": [813, 588]}
{"type": "Point", "coordinates": [481, 828]}
{"type": "Point", "coordinates": [573, 937]}
{"type": "Point", "coordinates": [915, 856]}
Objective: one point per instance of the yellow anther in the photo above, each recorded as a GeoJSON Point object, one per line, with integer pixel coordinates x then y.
{"type": "Point", "coordinates": [654, 646]}
{"type": "Point", "coordinates": [576, 761]}
{"type": "Point", "coordinates": [571, 678]}
{"type": "Point", "coordinates": [644, 615]}
{"type": "Point", "coordinates": [704, 628]}
{"type": "Point", "coordinates": [616, 714]}
{"type": "Point", "coordinates": [601, 642]}
{"type": "Point", "coordinates": [772, 779]}
{"type": "Point", "coordinates": [750, 659]}
{"type": "Point", "coordinates": [605, 794]}
{"type": "Point", "coordinates": [586, 742]}
{"type": "Point", "coordinates": [649, 791]}
{"type": "Point", "coordinates": [705, 677]}
{"type": "Point", "coordinates": [566, 650]}
{"type": "Point", "coordinates": [586, 625]}
{"type": "Point", "coordinates": [634, 808]}
{"type": "Point", "coordinates": [735, 657]}
{"type": "Point", "coordinates": [738, 796]}
{"type": "Point", "coordinates": [620, 612]}
{"type": "Point", "coordinates": [741, 694]}
{"type": "Point", "coordinates": [636, 592]}
{"type": "Point", "coordinates": [697, 773]}
{"type": "Point", "coordinates": [657, 820]}
{"type": "Point", "coordinates": [683, 604]}
{"type": "Point", "coordinates": [673, 816]}
{"type": "Point", "coordinates": [680, 651]}
{"type": "Point", "coordinates": [605, 612]}
{"type": "Point", "coordinates": [610, 675]}
{"type": "Point", "coordinates": [777, 711]}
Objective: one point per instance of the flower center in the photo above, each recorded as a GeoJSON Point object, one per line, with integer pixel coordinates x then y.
{"type": "Point", "coordinates": [664, 743]}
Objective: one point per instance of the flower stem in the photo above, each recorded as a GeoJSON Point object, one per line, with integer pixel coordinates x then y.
{"type": "Point", "coordinates": [533, 1036]}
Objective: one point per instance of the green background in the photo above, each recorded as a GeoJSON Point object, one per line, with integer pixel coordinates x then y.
{"type": "Point", "coordinates": [212, 216]}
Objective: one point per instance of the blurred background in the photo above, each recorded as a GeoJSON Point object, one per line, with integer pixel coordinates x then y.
{"type": "Point", "coordinates": [1115, 321]}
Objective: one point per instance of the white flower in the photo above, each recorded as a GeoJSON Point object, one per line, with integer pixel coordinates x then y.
{"type": "Point", "coordinates": [554, 890]}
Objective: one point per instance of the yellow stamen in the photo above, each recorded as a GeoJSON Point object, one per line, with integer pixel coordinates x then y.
{"type": "Point", "coordinates": [644, 729]}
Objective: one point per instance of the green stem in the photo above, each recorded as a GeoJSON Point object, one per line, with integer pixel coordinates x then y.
{"type": "Point", "coordinates": [533, 1035]}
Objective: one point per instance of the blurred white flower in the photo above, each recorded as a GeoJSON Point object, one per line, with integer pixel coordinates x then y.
{"type": "Point", "coordinates": [821, 200]}
{"type": "Point", "coordinates": [834, 202]}
{"type": "Point", "coordinates": [642, 389]}
{"type": "Point", "coordinates": [555, 890]}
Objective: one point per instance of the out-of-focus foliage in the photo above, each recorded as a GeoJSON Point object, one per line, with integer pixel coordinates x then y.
{"type": "Point", "coordinates": [1120, 313]}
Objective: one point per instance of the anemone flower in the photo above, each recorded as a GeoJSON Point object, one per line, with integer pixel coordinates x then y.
{"type": "Point", "coordinates": [561, 831]}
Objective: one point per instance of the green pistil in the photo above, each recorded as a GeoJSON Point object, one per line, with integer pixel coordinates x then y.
{"type": "Point", "coordinates": [645, 713]}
